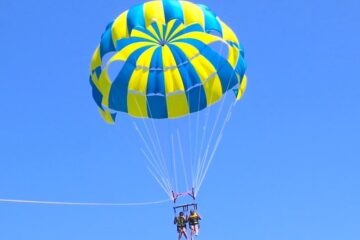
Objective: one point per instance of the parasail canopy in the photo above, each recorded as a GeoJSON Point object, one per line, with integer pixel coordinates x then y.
{"type": "Point", "coordinates": [169, 65]}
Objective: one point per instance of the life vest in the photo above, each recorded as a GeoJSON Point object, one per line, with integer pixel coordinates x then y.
{"type": "Point", "coordinates": [181, 222]}
{"type": "Point", "coordinates": [194, 219]}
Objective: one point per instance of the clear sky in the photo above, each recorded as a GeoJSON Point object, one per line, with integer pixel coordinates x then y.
{"type": "Point", "coordinates": [288, 166]}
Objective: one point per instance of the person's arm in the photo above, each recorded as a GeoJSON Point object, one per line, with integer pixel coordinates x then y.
{"type": "Point", "coordinates": [199, 216]}
{"type": "Point", "coordinates": [175, 220]}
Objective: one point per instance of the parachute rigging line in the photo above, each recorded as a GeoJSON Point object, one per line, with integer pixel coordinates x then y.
{"type": "Point", "coordinates": [204, 161]}
{"type": "Point", "coordinates": [182, 159]}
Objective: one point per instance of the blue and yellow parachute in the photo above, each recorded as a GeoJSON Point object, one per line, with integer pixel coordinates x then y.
{"type": "Point", "coordinates": [169, 67]}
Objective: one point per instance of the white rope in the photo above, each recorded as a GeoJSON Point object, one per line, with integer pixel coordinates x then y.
{"type": "Point", "coordinates": [162, 158]}
{"type": "Point", "coordinates": [182, 159]}
{"type": "Point", "coordinates": [205, 161]}
{"type": "Point", "coordinates": [158, 162]}
{"type": "Point", "coordinates": [174, 163]}
{"type": "Point", "coordinates": [218, 140]}
{"type": "Point", "coordinates": [154, 164]}
{"type": "Point", "coordinates": [164, 186]}
{"type": "Point", "coordinates": [200, 161]}
{"type": "Point", "coordinates": [81, 203]}
{"type": "Point", "coordinates": [163, 181]}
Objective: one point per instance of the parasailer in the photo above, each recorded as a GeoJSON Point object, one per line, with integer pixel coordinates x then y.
{"type": "Point", "coordinates": [180, 222]}
{"type": "Point", "coordinates": [177, 70]}
{"type": "Point", "coordinates": [194, 223]}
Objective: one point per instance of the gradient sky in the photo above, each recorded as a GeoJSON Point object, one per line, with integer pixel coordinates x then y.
{"type": "Point", "coordinates": [288, 166]}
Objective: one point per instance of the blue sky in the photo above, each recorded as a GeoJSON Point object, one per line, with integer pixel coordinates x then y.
{"type": "Point", "coordinates": [287, 168]}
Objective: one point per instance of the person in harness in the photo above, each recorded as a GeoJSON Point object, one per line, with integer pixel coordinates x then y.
{"type": "Point", "coordinates": [193, 220]}
{"type": "Point", "coordinates": [180, 222]}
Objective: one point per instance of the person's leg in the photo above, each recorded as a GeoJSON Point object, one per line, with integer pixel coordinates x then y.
{"type": "Point", "coordinates": [192, 228]}
{"type": "Point", "coordinates": [184, 232]}
{"type": "Point", "coordinates": [196, 229]}
{"type": "Point", "coordinates": [180, 233]}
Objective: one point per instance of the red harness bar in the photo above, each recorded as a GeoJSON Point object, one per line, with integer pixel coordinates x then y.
{"type": "Point", "coordinates": [182, 194]}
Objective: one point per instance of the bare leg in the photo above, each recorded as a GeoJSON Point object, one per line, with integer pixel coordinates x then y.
{"type": "Point", "coordinates": [196, 229]}
{"type": "Point", "coordinates": [181, 233]}
{"type": "Point", "coordinates": [192, 228]}
{"type": "Point", "coordinates": [185, 234]}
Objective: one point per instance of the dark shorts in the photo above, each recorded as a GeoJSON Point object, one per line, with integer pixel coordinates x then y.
{"type": "Point", "coordinates": [194, 224]}
{"type": "Point", "coordinates": [181, 229]}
